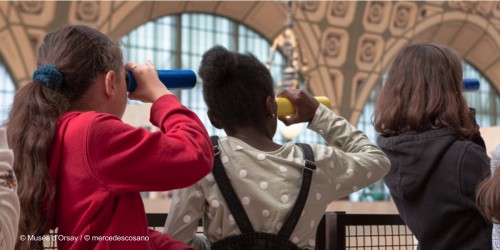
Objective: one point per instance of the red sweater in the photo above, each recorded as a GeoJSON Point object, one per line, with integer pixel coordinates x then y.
{"type": "Point", "coordinates": [100, 164]}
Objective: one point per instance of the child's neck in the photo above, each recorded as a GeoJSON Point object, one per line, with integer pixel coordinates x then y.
{"type": "Point", "coordinates": [254, 138]}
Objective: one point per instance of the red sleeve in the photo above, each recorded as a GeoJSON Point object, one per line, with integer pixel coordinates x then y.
{"type": "Point", "coordinates": [164, 241]}
{"type": "Point", "coordinates": [129, 159]}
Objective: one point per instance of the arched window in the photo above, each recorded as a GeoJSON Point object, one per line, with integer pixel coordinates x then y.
{"type": "Point", "coordinates": [486, 101]}
{"type": "Point", "coordinates": [365, 120]}
{"type": "Point", "coordinates": [7, 92]}
{"type": "Point", "coordinates": [179, 41]}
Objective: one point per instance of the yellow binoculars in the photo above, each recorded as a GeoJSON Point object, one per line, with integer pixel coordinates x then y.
{"type": "Point", "coordinates": [286, 108]}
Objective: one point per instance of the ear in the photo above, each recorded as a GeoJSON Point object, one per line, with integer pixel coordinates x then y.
{"type": "Point", "coordinates": [213, 119]}
{"type": "Point", "coordinates": [109, 83]}
{"type": "Point", "coordinates": [270, 106]}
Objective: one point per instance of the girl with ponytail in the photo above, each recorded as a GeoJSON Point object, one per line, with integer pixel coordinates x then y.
{"type": "Point", "coordinates": [80, 169]}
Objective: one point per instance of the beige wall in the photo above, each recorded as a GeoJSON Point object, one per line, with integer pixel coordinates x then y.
{"type": "Point", "coordinates": [137, 115]}
{"type": "Point", "coordinates": [381, 207]}
{"type": "Point", "coordinates": [348, 45]}
{"type": "Point", "coordinates": [491, 136]}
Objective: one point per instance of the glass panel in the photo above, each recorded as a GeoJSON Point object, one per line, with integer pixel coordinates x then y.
{"type": "Point", "coordinates": [365, 120]}
{"type": "Point", "coordinates": [7, 92]}
{"type": "Point", "coordinates": [377, 191]}
{"type": "Point", "coordinates": [153, 41]}
{"type": "Point", "coordinates": [486, 100]}
{"type": "Point", "coordinates": [204, 31]}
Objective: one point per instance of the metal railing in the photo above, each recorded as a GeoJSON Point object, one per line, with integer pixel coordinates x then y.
{"type": "Point", "coordinates": [337, 231]}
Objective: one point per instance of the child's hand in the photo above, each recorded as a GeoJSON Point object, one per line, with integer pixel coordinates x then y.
{"type": "Point", "coordinates": [149, 87]}
{"type": "Point", "coordinates": [305, 106]}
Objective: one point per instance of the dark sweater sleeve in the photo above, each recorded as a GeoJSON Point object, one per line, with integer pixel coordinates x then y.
{"type": "Point", "coordinates": [474, 168]}
{"type": "Point", "coordinates": [128, 159]}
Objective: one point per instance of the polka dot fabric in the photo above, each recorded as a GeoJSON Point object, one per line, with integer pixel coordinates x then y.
{"type": "Point", "coordinates": [267, 183]}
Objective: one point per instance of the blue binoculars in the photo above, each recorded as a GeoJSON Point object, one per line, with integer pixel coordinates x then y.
{"type": "Point", "coordinates": [172, 79]}
{"type": "Point", "coordinates": [470, 84]}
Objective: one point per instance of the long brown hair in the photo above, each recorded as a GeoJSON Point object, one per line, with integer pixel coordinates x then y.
{"type": "Point", "coordinates": [81, 54]}
{"type": "Point", "coordinates": [423, 91]}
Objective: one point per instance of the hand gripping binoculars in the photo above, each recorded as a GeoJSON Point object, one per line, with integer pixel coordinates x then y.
{"type": "Point", "coordinates": [172, 79]}
{"type": "Point", "coordinates": [286, 108]}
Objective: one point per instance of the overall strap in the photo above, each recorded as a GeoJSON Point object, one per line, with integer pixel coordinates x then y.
{"type": "Point", "coordinates": [294, 216]}
{"type": "Point", "coordinates": [227, 190]}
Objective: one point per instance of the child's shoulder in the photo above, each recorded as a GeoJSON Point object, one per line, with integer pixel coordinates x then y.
{"type": "Point", "coordinates": [78, 124]}
{"type": "Point", "coordinates": [89, 116]}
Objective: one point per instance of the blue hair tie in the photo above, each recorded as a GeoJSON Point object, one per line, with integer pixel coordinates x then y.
{"type": "Point", "coordinates": [49, 75]}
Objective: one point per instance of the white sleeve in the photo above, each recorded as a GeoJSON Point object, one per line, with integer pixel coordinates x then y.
{"type": "Point", "coordinates": [352, 161]}
{"type": "Point", "coordinates": [495, 166]}
{"type": "Point", "coordinates": [188, 205]}
{"type": "Point", "coordinates": [9, 202]}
